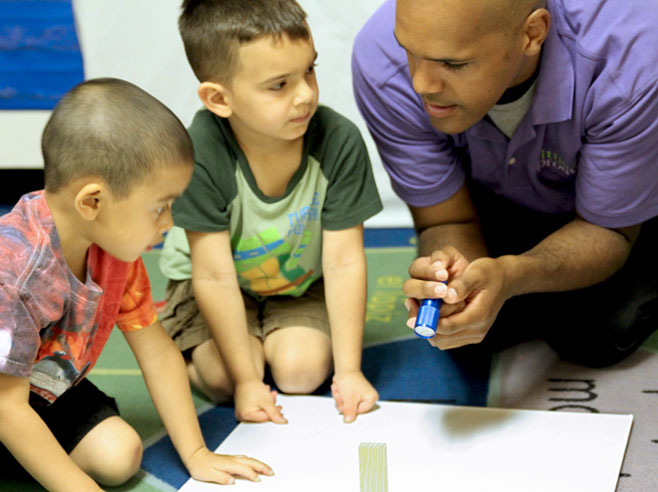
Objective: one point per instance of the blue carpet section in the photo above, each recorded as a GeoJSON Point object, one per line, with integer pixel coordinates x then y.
{"type": "Point", "coordinates": [409, 370]}
{"type": "Point", "coordinates": [413, 370]}
{"type": "Point", "coordinates": [389, 237]}
{"type": "Point", "coordinates": [40, 56]}
{"type": "Point", "coordinates": [161, 459]}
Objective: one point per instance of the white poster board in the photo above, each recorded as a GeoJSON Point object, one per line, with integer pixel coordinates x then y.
{"type": "Point", "coordinates": [433, 447]}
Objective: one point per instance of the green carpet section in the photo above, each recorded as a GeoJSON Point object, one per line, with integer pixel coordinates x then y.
{"type": "Point", "coordinates": [386, 315]}
{"type": "Point", "coordinates": [158, 280]}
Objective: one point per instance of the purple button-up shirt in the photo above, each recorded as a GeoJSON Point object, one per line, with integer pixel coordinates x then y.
{"type": "Point", "coordinates": [589, 142]}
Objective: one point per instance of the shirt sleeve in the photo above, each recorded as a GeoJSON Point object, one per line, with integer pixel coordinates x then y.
{"type": "Point", "coordinates": [19, 334]}
{"type": "Point", "coordinates": [422, 163]}
{"type": "Point", "coordinates": [202, 206]}
{"type": "Point", "coordinates": [136, 310]}
{"type": "Point", "coordinates": [617, 184]}
{"type": "Point", "coordinates": [352, 195]}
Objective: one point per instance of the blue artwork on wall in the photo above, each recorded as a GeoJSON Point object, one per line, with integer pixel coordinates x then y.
{"type": "Point", "coordinates": [40, 56]}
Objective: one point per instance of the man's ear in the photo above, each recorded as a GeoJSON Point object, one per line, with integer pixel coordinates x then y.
{"type": "Point", "coordinates": [89, 200]}
{"type": "Point", "coordinates": [215, 97]}
{"type": "Point", "coordinates": [536, 28]}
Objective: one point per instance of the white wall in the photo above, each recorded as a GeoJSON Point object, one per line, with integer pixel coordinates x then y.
{"type": "Point", "coordinates": [138, 41]}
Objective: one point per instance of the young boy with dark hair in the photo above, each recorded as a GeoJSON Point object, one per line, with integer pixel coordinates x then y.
{"type": "Point", "coordinates": [115, 159]}
{"type": "Point", "coordinates": [272, 220]}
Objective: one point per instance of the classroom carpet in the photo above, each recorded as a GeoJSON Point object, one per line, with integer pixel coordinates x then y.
{"type": "Point", "coordinates": [403, 367]}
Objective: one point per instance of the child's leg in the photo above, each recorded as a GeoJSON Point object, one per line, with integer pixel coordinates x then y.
{"type": "Point", "coordinates": [184, 322]}
{"type": "Point", "coordinates": [110, 453]}
{"type": "Point", "coordinates": [208, 373]}
{"type": "Point", "coordinates": [299, 358]}
{"type": "Point", "coordinates": [86, 423]}
{"type": "Point", "coordinates": [297, 344]}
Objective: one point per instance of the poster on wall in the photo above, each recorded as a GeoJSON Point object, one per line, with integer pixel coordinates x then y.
{"type": "Point", "coordinates": [40, 56]}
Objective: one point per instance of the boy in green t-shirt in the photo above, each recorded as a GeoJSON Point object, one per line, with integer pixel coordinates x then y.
{"type": "Point", "coordinates": [273, 217]}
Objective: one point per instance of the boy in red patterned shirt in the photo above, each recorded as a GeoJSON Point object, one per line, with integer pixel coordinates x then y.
{"type": "Point", "coordinates": [115, 159]}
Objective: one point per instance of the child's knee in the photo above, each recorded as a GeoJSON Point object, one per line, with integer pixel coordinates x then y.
{"type": "Point", "coordinates": [300, 371]}
{"type": "Point", "coordinates": [122, 464]}
{"type": "Point", "coordinates": [111, 453]}
{"type": "Point", "coordinates": [208, 373]}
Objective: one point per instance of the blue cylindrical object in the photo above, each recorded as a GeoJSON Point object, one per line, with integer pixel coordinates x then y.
{"type": "Point", "coordinates": [427, 318]}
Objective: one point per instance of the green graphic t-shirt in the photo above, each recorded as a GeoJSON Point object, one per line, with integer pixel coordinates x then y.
{"type": "Point", "coordinates": [276, 241]}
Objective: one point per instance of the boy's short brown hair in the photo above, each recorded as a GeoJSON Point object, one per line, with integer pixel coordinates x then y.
{"type": "Point", "coordinates": [114, 130]}
{"type": "Point", "coordinates": [213, 30]}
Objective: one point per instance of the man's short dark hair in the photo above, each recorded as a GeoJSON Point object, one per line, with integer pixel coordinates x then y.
{"type": "Point", "coordinates": [114, 130]}
{"type": "Point", "coordinates": [213, 30]}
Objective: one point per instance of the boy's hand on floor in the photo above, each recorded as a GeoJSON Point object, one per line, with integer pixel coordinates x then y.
{"type": "Point", "coordinates": [353, 393]}
{"type": "Point", "coordinates": [207, 466]}
{"type": "Point", "coordinates": [255, 402]}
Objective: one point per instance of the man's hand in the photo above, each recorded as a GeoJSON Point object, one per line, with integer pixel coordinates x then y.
{"type": "Point", "coordinates": [255, 402]}
{"type": "Point", "coordinates": [353, 393]}
{"type": "Point", "coordinates": [429, 273]}
{"type": "Point", "coordinates": [480, 292]}
{"type": "Point", "coordinates": [472, 296]}
{"type": "Point", "coordinates": [429, 280]}
{"type": "Point", "coordinates": [207, 466]}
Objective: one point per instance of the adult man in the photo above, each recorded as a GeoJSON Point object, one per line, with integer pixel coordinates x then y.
{"type": "Point", "coordinates": [523, 136]}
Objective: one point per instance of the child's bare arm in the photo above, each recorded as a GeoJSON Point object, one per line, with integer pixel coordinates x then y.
{"type": "Point", "coordinates": [344, 270]}
{"type": "Point", "coordinates": [164, 371]}
{"type": "Point", "coordinates": [218, 295]}
{"type": "Point", "coordinates": [28, 438]}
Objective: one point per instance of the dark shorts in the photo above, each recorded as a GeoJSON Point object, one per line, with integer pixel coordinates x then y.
{"type": "Point", "coordinates": [69, 418]}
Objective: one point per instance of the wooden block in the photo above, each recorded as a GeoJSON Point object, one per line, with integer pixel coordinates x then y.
{"type": "Point", "coordinates": [372, 467]}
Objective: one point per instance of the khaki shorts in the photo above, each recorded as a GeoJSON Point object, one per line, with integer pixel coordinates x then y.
{"type": "Point", "coordinates": [185, 324]}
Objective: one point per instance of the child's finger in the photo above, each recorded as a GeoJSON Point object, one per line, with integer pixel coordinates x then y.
{"type": "Point", "coordinates": [236, 466]}
{"type": "Point", "coordinates": [349, 412]}
{"type": "Point", "coordinates": [255, 416]}
{"type": "Point", "coordinates": [258, 466]}
{"type": "Point", "coordinates": [274, 414]}
{"type": "Point", "coordinates": [339, 400]}
{"type": "Point", "coordinates": [245, 470]}
{"type": "Point", "coordinates": [217, 476]}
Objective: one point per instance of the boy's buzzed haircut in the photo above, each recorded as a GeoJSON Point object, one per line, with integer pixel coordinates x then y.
{"type": "Point", "coordinates": [114, 130]}
{"type": "Point", "coordinates": [212, 31]}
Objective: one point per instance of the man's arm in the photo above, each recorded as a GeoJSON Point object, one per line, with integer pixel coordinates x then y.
{"type": "Point", "coordinates": [453, 222]}
{"type": "Point", "coordinates": [28, 438]}
{"type": "Point", "coordinates": [344, 270]}
{"type": "Point", "coordinates": [575, 256]}
{"type": "Point", "coordinates": [219, 298]}
{"type": "Point", "coordinates": [164, 371]}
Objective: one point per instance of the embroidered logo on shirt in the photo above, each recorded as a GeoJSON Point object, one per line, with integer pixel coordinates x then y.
{"type": "Point", "coordinates": [550, 159]}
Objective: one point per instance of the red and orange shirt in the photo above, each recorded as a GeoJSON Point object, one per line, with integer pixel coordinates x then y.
{"type": "Point", "coordinates": [53, 327]}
